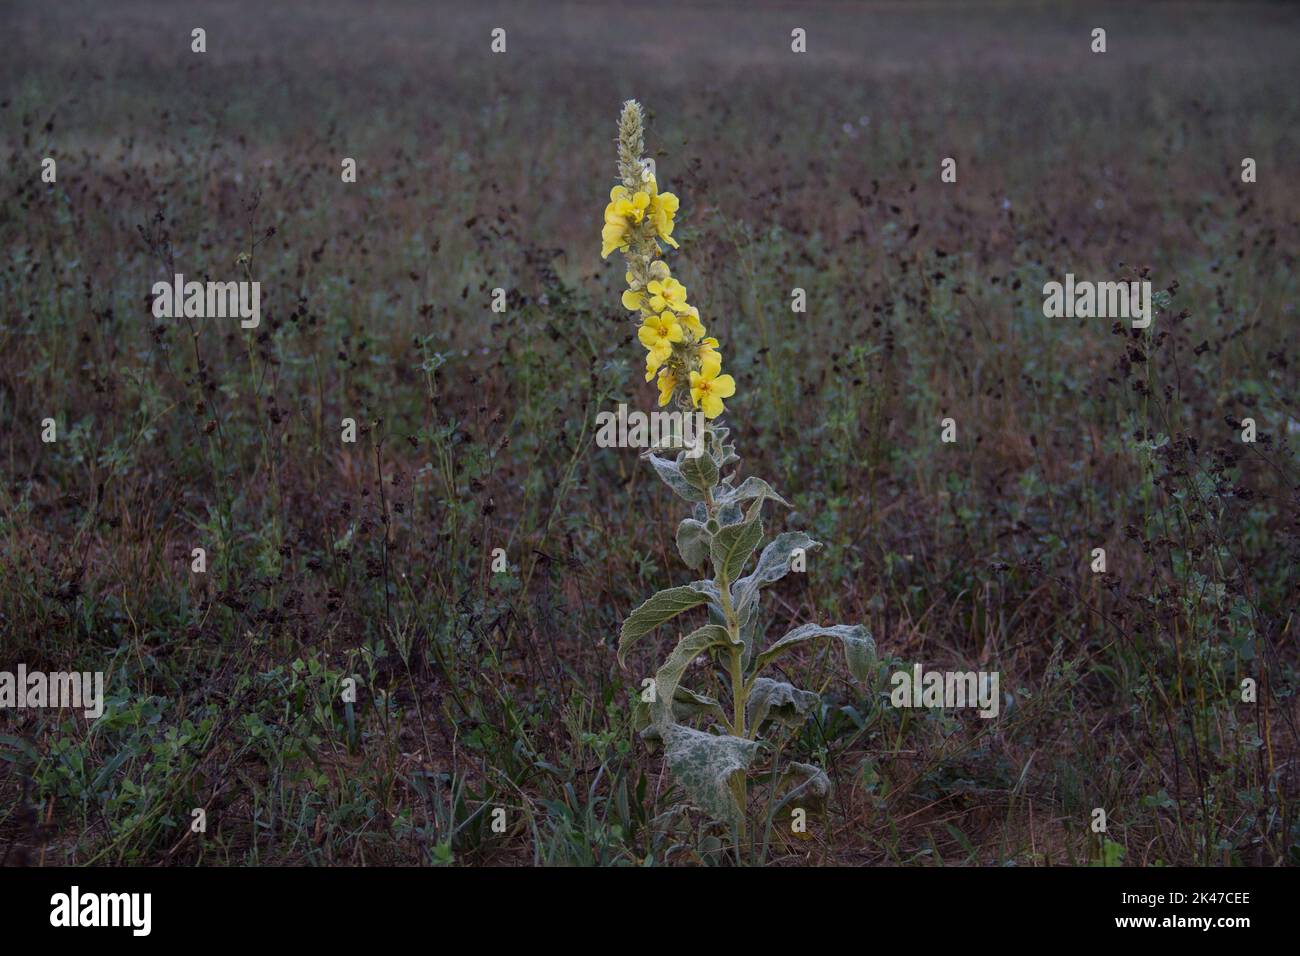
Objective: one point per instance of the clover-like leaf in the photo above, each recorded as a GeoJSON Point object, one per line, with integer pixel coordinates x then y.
{"type": "Point", "coordinates": [859, 646]}
{"type": "Point", "coordinates": [780, 701]}
{"type": "Point", "coordinates": [693, 542]}
{"type": "Point", "coordinates": [704, 764]}
{"type": "Point", "coordinates": [661, 607]}
{"type": "Point", "coordinates": [670, 673]}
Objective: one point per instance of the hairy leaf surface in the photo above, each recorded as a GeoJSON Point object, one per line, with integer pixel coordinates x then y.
{"type": "Point", "coordinates": [814, 789]}
{"type": "Point", "coordinates": [780, 701]}
{"type": "Point", "coordinates": [859, 646]}
{"type": "Point", "coordinates": [732, 546]}
{"type": "Point", "coordinates": [753, 487]}
{"type": "Point", "coordinates": [659, 608]}
{"type": "Point", "coordinates": [693, 543]}
{"type": "Point", "coordinates": [700, 473]}
{"type": "Point", "coordinates": [704, 765]}
{"type": "Point", "coordinates": [773, 564]}
{"type": "Point", "coordinates": [671, 473]}
{"type": "Point", "coordinates": [670, 674]}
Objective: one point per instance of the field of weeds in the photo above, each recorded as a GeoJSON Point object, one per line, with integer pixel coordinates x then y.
{"type": "Point", "coordinates": [480, 690]}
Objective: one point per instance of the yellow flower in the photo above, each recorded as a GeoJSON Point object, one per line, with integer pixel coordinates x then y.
{"type": "Point", "coordinates": [662, 208]}
{"type": "Point", "coordinates": [612, 236]}
{"type": "Point", "coordinates": [658, 335]}
{"type": "Point", "coordinates": [667, 294]}
{"type": "Point", "coordinates": [690, 317]}
{"type": "Point", "coordinates": [708, 389]}
{"type": "Point", "coordinates": [632, 300]}
{"type": "Point", "coordinates": [630, 206]}
{"type": "Point", "coordinates": [667, 385]}
{"type": "Point", "coordinates": [622, 214]}
{"type": "Point", "coordinates": [709, 355]}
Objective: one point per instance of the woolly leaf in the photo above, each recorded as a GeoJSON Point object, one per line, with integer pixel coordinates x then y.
{"type": "Point", "coordinates": [700, 472]}
{"type": "Point", "coordinates": [773, 564]}
{"type": "Point", "coordinates": [672, 476]}
{"type": "Point", "coordinates": [732, 546]}
{"type": "Point", "coordinates": [752, 630]}
{"type": "Point", "coordinates": [704, 764]}
{"type": "Point", "coordinates": [687, 704]}
{"type": "Point", "coordinates": [659, 608]}
{"type": "Point", "coordinates": [730, 513]}
{"type": "Point", "coordinates": [859, 646]}
{"type": "Point", "coordinates": [814, 790]}
{"type": "Point", "coordinates": [693, 542]}
{"type": "Point", "coordinates": [754, 488]}
{"type": "Point", "coordinates": [670, 674]}
{"type": "Point", "coordinates": [782, 702]}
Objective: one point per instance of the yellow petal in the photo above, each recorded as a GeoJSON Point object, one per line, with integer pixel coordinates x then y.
{"type": "Point", "coordinates": [724, 386]}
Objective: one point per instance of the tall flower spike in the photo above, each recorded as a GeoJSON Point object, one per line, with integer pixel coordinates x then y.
{"type": "Point", "coordinates": [637, 219]}
{"type": "Point", "coordinates": [724, 531]}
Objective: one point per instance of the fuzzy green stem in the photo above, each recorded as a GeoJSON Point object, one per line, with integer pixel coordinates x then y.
{"type": "Point", "coordinates": [738, 689]}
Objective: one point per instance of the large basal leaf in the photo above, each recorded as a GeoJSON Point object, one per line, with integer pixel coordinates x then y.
{"type": "Point", "coordinates": [693, 542]}
{"type": "Point", "coordinates": [704, 765]}
{"type": "Point", "coordinates": [671, 473]}
{"type": "Point", "coordinates": [773, 564]}
{"type": "Point", "coordinates": [780, 701]}
{"type": "Point", "coordinates": [700, 472]}
{"type": "Point", "coordinates": [732, 546]}
{"type": "Point", "coordinates": [659, 608]}
{"type": "Point", "coordinates": [859, 646]}
{"type": "Point", "coordinates": [670, 674]}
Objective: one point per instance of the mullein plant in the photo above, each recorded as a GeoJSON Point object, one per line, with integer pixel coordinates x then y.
{"type": "Point", "coordinates": [709, 750]}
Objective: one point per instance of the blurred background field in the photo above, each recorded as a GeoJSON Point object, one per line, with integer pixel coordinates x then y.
{"type": "Point", "coordinates": [477, 171]}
